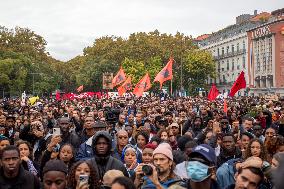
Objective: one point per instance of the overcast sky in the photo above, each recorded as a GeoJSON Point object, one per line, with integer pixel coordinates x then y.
{"type": "Point", "coordinates": [70, 25]}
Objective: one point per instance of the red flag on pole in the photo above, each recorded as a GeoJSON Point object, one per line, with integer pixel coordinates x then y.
{"type": "Point", "coordinates": [119, 77]}
{"type": "Point", "coordinates": [240, 83]}
{"type": "Point", "coordinates": [225, 106]}
{"type": "Point", "coordinates": [213, 93]}
{"type": "Point", "coordinates": [165, 74]}
{"type": "Point", "coordinates": [81, 88]}
{"type": "Point", "coordinates": [143, 85]}
{"type": "Point", "coordinates": [57, 96]}
{"type": "Point", "coordinates": [126, 86]}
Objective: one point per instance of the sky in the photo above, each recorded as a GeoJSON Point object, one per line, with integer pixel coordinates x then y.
{"type": "Point", "coordinates": [69, 26]}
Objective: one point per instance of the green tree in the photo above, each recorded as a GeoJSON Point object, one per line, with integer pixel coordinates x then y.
{"type": "Point", "coordinates": [199, 65]}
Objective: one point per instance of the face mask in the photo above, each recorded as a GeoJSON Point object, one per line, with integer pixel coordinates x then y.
{"type": "Point", "coordinates": [197, 171]}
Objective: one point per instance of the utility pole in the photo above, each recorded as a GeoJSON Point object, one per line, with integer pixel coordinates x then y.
{"type": "Point", "coordinates": [33, 74]}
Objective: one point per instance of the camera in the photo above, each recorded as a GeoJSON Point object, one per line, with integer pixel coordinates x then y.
{"type": "Point", "coordinates": [147, 170]}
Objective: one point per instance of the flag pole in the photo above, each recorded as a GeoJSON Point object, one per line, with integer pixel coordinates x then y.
{"type": "Point", "coordinates": [172, 87]}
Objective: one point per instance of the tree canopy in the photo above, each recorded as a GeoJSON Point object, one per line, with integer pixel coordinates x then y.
{"type": "Point", "coordinates": [26, 65]}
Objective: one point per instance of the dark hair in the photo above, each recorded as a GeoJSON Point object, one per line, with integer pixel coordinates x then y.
{"type": "Point", "coordinates": [124, 181]}
{"type": "Point", "coordinates": [182, 141]}
{"type": "Point", "coordinates": [19, 142]}
{"type": "Point", "coordinates": [9, 148]}
{"type": "Point", "coordinates": [93, 181]}
{"type": "Point", "coordinates": [190, 144]}
{"type": "Point", "coordinates": [228, 135]}
{"type": "Point", "coordinates": [72, 160]}
{"type": "Point", "coordinates": [55, 165]}
{"type": "Point", "coordinates": [144, 134]}
{"type": "Point", "coordinates": [247, 118]}
{"type": "Point", "coordinates": [263, 152]}
{"type": "Point", "coordinates": [161, 131]}
{"type": "Point", "coordinates": [255, 171]}
{"type": "Point", "coordinates": [155, 139]}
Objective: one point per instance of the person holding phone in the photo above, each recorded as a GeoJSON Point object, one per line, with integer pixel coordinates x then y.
{"type": "Point", "coordinates": [82, 176]}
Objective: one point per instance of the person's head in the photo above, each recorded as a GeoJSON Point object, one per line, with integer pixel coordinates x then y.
{"type": "Point", "coordinates": [278, 174]}
{"type": "Point", "coordinates": [122, 138]}
{"type": "Point", "coordinates": [245, 139]}
{"type": "Point", "coordinates": [110, 176]}
{"type": "Point", "coordinates": [155, 140]}
{"type": "Point", "coordinates": [174, 127]}
{"type": "Point", "coordinates": [129, 130]}
{"type": "Point", "coordinates": [228, 142]}
{"type": "Point", "coordinates": [248, 178]}
{"type": "Point", "coordinates": [54, 175]}
{"type": "Point", "coordinates": [102, 143]}
{"type": "Point", "coordinates": [10, 160]}
{"type": "Point", "coordinates": [2, 119]}
{"type": "Point", "coordinates": [163, 159]}
{"type": "Point", "coordinates": [25, 149]}
{"type": "Point", "coordinates": [189, 146]}
{"type": "Point", "coordinates": [147, 153]}
{"type": "Point", "coordinates": [4, 141]}
{"type": "Point", "coordinates": [208, 137]}
{"type": "Point", "coordinates": [276, 159]}
{"type": "Point", "coordinates": [122, 183]}
{"type": "Point", "coordinates": [130, 119]}
{"type": "Point", "coordinates": [66, 153]}
{"type": "Point", "coordinates": [121, 119]}
{"type": "Point", "coordinates": [139, 117]}
{"type": "Point", "coordinates": [10, 121]}
{"type": "Point", "coordinates": [169, 117]}
{"type": "Point", "coordinates": [247, 123]}
{"type": "Point", "coordinates": [257, 130]}
{"type": "Point", "coordinates": [141, 138]}
{"type": "Point", "coordinates": [89, 121]}
{"type": "Point", "coordinates": [82, 168]}
{"type": "Point", "coordinates": [256, 149]}
{"type": "Point", "coordinates": [197, 123]}
{"type": "Point", "coordinates": [64, 124]}
{"type": "Point", "coordinates": [129, 155]}
{"type": "Point", "coordinates": [269, 133]}
{"type": "Point", "coordinates": [182, 140]}
{"type": "Point", "coordinates": [163, 134]}
{"type": "Point", "coordinates": [202, 162]}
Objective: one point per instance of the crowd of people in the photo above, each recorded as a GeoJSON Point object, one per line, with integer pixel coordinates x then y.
{"type": "Point", "coordinates": [149, 142]}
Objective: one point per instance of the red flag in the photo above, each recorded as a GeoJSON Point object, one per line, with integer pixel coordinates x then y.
{"type": "Point", "coordinates": [57, 96]}
{"type": "Point", "coordinates": [119, 78]}
{"type": "Point", "coordinates": [126, 86]}
{"type": "Point", "coordinates": [143, 85]}
{"type": "Point", "coordinates": [225, 106]}
{"type": "Point", "coordinates": [213, 93]}
{"type": "Point", "coordinates": [81, 88]}
{"type": "Point", "coordinates": [165, 74]}
{"type": "Point", "coordinates": [240, 83]}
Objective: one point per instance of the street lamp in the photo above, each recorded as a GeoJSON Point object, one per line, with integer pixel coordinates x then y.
{"type": "Point", "coordinates": [33, 74]}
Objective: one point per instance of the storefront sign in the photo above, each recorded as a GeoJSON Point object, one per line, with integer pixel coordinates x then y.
{"type": "Point", "coordinates": [260, 32]}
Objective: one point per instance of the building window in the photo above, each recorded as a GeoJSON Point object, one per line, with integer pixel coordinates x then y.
{"type": "Point", "coordinates": [218, 53]}
{"type": "Point", "coordinates": [233, 64]}
{"type": "Point", "coordinates": [238, 47]}
{"type": "Point", "coordinates": [244, 46]}
{"type": "Point", "coordinates": [223, 51]}
{"type": "Point", "coordinates": [228, 65]}
{"type": "Point", "coordinates": [233, 48]}
{"type": "Point", "coordinates": [244, 62]}
{"type": "Point", "coordinates": [228, 49]}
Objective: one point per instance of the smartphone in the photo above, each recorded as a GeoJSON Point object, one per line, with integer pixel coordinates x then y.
{"type": "Point", "coordinates": [84, 178]}
{"type": "Point", "coordinates": [56, 131]}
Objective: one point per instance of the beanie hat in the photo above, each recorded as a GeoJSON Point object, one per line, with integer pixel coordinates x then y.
{"type": "Point", "coordinates": [165, 149]}
{"type": "Point", "coordinates": [55, 165]}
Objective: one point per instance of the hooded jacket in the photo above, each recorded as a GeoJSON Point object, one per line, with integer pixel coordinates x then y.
{"type": "Point", "coordinates": [106, 162]}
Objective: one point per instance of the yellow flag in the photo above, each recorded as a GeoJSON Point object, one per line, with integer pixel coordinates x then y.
{"type": "Point", "coordinates": [32, 100]}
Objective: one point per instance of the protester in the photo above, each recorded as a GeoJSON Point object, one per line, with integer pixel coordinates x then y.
{"type": "Point", "coordinates": [82, 175]}
{"type": "Point", "coordinates": [110, 176]}
{"type": "Point", "coordinates": [12, 174]}
{"type": "Point", "coordinates": [122, 183]}
{"type": "Point", "coordinates": [102, 160]}
{"type": "Point", "coordinates": [55, 175]}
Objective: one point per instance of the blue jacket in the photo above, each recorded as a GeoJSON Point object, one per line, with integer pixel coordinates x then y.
{"type": "Point", "coordinates": [148, 184]}
{"type": "Point", "coordinates": [85, 150]}
{"type": "Point", "coordinates": [226, 172]}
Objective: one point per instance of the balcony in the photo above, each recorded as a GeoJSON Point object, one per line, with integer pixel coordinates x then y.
{"type": "Point", "coordinates": [230, 54]}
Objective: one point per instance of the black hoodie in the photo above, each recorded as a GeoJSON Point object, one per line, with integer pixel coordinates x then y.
{"type": "Point", "coordinates": [106, 162]}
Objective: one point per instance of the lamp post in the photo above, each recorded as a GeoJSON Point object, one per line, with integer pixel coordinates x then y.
{"type": "Point", "coordinates": [33, 74]}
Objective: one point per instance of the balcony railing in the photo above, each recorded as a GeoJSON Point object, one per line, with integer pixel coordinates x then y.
{"type": "Point", "coordinates": [230, 54]}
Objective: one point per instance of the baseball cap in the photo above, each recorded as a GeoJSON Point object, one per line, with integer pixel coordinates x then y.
{"type": "Point", "coordinates": [206, 151]}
